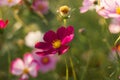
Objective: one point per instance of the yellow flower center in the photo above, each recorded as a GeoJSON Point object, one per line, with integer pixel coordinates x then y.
{"type": "Point", "coordinates": [56, 44]}
{"type": "Point", "coordinates": [10, 1]}
{"type": "Point", "coordinates": [118, 10]}
{"type": "Point", "coordinates": [26, 71]}
{"type": "Point", "coordinates": [64, 10]}
{"type": "Point", "coordinates": [45, 60]}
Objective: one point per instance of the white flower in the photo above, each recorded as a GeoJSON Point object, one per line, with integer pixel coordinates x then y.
{"type": "Point", "coordinates": [9, 2]}
{"type": "Point", "coordinates": [32, 38]}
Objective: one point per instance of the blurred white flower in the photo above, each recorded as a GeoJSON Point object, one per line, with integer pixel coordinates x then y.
{"type": "Point", "coordinates": [33, 37]}
{"type": "Point", "coordinates": [9, 2]}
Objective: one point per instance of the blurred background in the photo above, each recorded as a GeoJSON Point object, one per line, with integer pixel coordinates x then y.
{"type": "Point", "coordinates": [90, 51]}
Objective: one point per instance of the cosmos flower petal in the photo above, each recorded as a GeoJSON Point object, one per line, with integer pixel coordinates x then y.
{"type": "Point", "coordinates": [43, 45]}
{"type": "Point", "coordinates": [24, 77]}
{"type": "Point", "coordinates": [67, 39]}
{"type": "Point", "coordinates": [69, 30]}
{"type": "Point", "coordinates": [50, 36]}
{"type": "Point", "coordinates": [50, 51]}
{"type": "Point", "coordinates": [113, 15]}
{"type": "Point", "coordinates": [84, 9]}
{"type": "Point", "coordinates": [28, 58]}
{"type": "Point", "coordinates": [105, 9]}
{"type": "Point", "coordinates": [114, 26]}
{"type": "Point", "coordinates": [63, 49]}
{"type": "Point", "coordinates": [33, 69]}
{"type": "Point", "coordinates": [61, 32]}
{"type": "Point", "coordinates": [17, 67]}
{"type": "Point", "coordinates": [3, 24]}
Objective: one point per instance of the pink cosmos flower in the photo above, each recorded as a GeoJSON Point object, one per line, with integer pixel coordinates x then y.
{"type": "Point", "coordinates": [114, 27]}
{"type": "Point", "coordinates": [47, 62]}
{"type": "Point", "coordinates": [24, 67]}
{"type": "Point", "coordinates": [40, 6]}
{"type": "Point", "coordinates": [88, 4]}
{"type": "Point", "coordinates": [56, 42]}
{"type": "Point", "coordinates": [9, 2]}
{"type": "Point", "coordinates": [109, 8]}
{"type": "Point", "coordinates": [3, 24]}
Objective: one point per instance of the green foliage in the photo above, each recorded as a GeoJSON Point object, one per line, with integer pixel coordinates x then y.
{"type": "Point", "coordinates": [89, 51]}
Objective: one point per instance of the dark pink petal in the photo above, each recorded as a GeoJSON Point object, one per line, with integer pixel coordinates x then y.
{"type": "Point", "coordinates": [43, 53]}
{"type": "Point", "coordinates": [63, 49]}
{"type": "Point", "coordinates": [43, 45]}
{"type": "Point", "coordinates": [3, 24]}
{"type": "Point", "coordinates": [69, 30]}
{"type": "Point", "coordinates": [67, 39]}
{"type": "Point", "coordinates": [61, 32]}
{"type": "Point", "coordinates": [50, 36]}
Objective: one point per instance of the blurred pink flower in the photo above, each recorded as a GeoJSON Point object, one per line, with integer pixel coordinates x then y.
{"type": "Point", "coordinates": [24, 67]}
{"type": "Point", "coordinates": [114, 26]}
{"type": "Point", "coordinates": [3, 24]}
{"type": "Point", "coordinates": [40, 6]}
{"type": "Point", "coordinates": [88, 4]}
{"type": "Point", "coordinates": [56, 42]}
{"type": "Point", "coordinates": [47, 62]}
{"type": "Point", "coordinates": [109, 8]}
{"type": "Point", "coordinates": [9, 2]}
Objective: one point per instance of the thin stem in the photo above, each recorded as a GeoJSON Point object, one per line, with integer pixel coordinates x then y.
{"type": "Point", "coordinates": [85, 70]}
{"type": "Point", "coordinates": [117, 40]}
{"type": "Point", "coordinates": [1, 13]}
{"type": "Point", "coordinates": [9, 61]}
{"type": "Point", "coordinates": [74, 74]}
{"type": "Point", "coordinates": [42, 16]}
{"type": "Point", "coordinates": [65, 22]}
{"type": "Point", "coordinates": [16, 16]}
{"type": "Point", "coordinates": [66, 69]}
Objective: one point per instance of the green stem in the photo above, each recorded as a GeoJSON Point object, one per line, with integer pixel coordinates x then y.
{"type": "Point", "coordinates": [16, 16]}
{"type": "Point", "coordinates": [65, 22]}
{"type": "Point", "coordinates": [42, 16]}
{"type": "Point", "coordinates": [117, 40]}
{"type": "Point", "coordinates": [66, 69]}
{"type": "Point", "coordinates": [85, 70]}
{"type": "Point", "coordinates": [74, 74]}
{"type": "Point", "coordinates": [9, 61]}
{"type": "Point", "coordinates": [1, 13]}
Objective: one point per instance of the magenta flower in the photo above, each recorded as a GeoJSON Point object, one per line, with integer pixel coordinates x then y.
{"type": "Point", "coordinates": [40, 6]}
{"type": "Point", "coordinates": [56, 42]}
{"type": "Point", "coordinates": [24, 67]}
{"type": "Point", "coordinates": [109, 8]}
{"type": "Point", "coordinates": [3, 24]}
{"type": "Point", "coordinates": [88, 4]}
{"type": "Point", "coordinates": [47, 62]}
{"type": "Point", "coordinates": [114, 26]}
